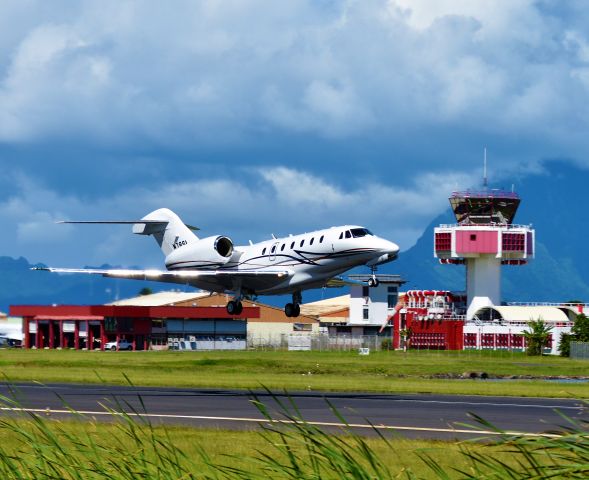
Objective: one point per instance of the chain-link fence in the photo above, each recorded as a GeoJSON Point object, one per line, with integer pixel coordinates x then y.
{"type": "Point", "coordinates": [319, 342]}
{"type": "Point", "coordinates": [580, 350]}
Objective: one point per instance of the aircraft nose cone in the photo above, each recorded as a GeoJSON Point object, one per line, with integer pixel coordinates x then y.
{"type": "Point", "coordinates": [393, 250]}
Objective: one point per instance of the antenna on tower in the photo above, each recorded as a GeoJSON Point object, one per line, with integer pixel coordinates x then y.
{"type": "Point", "coordinates": [485, 168]}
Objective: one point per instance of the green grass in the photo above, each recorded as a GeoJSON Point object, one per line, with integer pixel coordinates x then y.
{"type": "Point", "coordinates": [330, 371]}
{"type": "Point", "coordinates": [32, 446]}
{"type": "Point", "coordinates": [230, 449]}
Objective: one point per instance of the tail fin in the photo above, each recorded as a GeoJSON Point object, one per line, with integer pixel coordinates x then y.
{"type": "Point", "coordinates": [167, 229]}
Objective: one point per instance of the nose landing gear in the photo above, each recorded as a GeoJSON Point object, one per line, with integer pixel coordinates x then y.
{"type": "Point", "coordinates": [373, 281]}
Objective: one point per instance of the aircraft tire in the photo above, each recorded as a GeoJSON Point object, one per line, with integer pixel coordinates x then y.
{"type": "Point", "coordinates": [289, 310]}
{"type": "Point", "coordinates": [239, 308]}
{"type": "Point", "coordinates": [231, 307]}
{"type": "Point", "coordinates": [297, 310]}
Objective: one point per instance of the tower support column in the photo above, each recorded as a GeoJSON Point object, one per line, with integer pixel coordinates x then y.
{"type": "Point", "coordinates": [483, 283]}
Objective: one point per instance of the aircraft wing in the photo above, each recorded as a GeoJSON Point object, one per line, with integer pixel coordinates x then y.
{"type": "Point", "coordinates": [338, 282]}
{"type": "Point", "coordinates": [214, 280]}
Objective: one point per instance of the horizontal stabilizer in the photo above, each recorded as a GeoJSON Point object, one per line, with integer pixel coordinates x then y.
{"type": "Point", "coordinates": [140, 227]}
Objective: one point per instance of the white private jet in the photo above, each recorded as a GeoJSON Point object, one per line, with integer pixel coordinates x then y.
{"type": "Point", "coordinates": [277, 266]}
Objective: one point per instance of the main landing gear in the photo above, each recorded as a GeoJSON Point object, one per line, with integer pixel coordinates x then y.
{"type": "Point", "coordinates": [294, 309]}
{"type": "Point", "coordinates": [234, 307]}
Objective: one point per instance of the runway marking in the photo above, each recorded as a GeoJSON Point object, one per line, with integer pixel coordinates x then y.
{"type": "Point", "coordinates": [48, 411]}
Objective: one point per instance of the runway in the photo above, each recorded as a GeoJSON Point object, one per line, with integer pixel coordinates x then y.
{"type": "Point", "coordinates": [408, 415]}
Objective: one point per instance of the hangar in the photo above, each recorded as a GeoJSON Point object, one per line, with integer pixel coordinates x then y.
{"type": "Point", "coordinates": [176, 320]}
{"type": "Point", "coordinates": [92, 326]}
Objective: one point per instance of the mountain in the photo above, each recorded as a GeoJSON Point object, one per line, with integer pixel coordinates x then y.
{"type": "Point", "coordinates": [553, 201]}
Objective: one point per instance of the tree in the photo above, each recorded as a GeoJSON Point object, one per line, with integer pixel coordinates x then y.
{"type": "Point", "coordinates": [537, 336]}
{"type": "Point", "coordinates": [145, 291]}
{"type": "Point", "coordinates": [564, 346]}
{"type": "Point", "coordinates": [579, 333]}
{"type": "Point", "coordinates": [580, 329]}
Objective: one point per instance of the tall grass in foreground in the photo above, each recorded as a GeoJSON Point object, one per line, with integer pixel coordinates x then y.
{"type": "Point", "coordinates": [288, 447]}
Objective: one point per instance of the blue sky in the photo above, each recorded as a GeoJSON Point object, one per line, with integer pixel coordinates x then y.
{"type": "Point", "coordinates": [256, 117]}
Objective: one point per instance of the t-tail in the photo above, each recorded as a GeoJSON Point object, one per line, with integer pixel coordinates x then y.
{"type": "Point", "coordinates": [168, 230]}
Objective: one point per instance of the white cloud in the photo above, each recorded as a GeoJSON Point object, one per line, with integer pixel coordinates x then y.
{"type": "Point", "coordinates": [279, 200]}
{"type": "Point", "coordinates": [202, 73]}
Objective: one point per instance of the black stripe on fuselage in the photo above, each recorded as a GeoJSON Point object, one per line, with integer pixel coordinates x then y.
{"type": "Point", "coordinates": [301, 260]}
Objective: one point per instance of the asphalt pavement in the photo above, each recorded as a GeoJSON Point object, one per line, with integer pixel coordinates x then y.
{"type": "Point", "coordinates": [409, 415]}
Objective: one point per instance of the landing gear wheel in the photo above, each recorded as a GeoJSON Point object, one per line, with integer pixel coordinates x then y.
{"type": "Point", "coordinates": [234, 308]}
{"type": "Point", "coordinates": [373, 282]}
{"type": "Point", "coordinates": [292, 309]}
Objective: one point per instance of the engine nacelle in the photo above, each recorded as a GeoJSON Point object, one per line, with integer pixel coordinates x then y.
{"type": "Point", "coordinates": [386, 258]}
{"type": "Point", "coordinates": [210, 252]}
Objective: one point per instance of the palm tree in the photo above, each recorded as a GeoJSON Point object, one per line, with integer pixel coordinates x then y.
{"type": "Point", "coordinates": [537, 336]}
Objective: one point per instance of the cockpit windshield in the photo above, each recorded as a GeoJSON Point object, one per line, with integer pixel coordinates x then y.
{"type": "Point", "coordinates": [360, 232]}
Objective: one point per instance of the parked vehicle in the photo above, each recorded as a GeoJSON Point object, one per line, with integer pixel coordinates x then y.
{"type": "Point", "coordinates": [123, 345]}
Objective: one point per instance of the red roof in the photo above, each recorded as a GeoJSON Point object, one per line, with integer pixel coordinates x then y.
{"type": "Point", "coordinates": [68, 317]}
{"type": "Point", "coordinates": [76, 312]}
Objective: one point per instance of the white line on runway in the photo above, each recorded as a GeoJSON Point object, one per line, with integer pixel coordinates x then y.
{"type": "Point", "coordinates": [47, 411]}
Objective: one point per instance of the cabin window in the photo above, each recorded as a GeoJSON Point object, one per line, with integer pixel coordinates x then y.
{"type": "Point", "coordinates": [360, 232]}
{"type": "Point", "coordinates": [273, 249]}
{"type": "Point", "coordinates": [348, 234]}
{"type": "Point", "coordinates": [302, 242]}
{"type": "Point", "coordinates": [282, 248]}
{"type": "Point", "coordinates": [321, 239]}
{"type": "Point", "coordinates": [264, 252]}
{"type": "Point", "coordinates": [312, 240]}
{"type": "Point", "coordinates": [292, 245]}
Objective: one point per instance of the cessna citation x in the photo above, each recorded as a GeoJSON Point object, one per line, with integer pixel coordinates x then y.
{"type": "Point", "coordinates": [277, 266]}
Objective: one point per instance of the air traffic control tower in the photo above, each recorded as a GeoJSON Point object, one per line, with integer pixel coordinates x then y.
{"type": "Point", "coordinates": [485, 238]}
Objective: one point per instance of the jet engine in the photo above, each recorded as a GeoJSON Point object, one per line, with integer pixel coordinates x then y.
{"type": "Point", "coordinates": [207, 252]}
{"type": "Point", "coordinates": [387, 257]}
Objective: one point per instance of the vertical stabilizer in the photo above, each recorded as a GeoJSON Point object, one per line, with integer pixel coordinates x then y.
{"type": "Point", "coordinates": [167, 229]}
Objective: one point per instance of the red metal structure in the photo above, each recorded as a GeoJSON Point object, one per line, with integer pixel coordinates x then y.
{"type": "Point", "coordinates": [432, 319]}
{"type": "Point", "coordinates": [91, 326]}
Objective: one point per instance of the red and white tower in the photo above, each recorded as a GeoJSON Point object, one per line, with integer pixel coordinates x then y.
{"type": "Point", "coordinates": [484, 239]}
